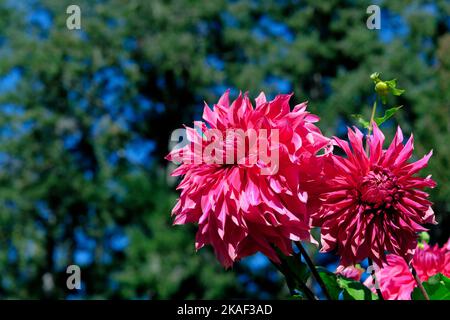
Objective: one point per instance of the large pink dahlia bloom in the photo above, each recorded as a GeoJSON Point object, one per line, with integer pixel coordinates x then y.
{"type": "Point", "coordinates": [250, 204]}
{"type": "Point", "coordinates": [373, 204]}
{"type": "Point", "coordinates": [395, 279]}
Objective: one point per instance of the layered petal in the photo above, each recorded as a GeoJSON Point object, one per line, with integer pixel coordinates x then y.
{"type": "Point", "coordinates": [372, 202]}
{"type": "Point", "coordinates": [245, 175]}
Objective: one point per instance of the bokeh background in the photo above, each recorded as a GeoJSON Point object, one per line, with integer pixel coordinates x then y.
{"type": "Point", "coordinates": [86, 115]}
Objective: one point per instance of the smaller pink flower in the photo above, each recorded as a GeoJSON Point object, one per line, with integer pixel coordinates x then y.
{"type": "Point", "coordinates": [351, 272]}
{"type": "Point", "coordinates": [447, 245]}
{"type": "Point", "coordinates": [446, 271]}
{"type": "Point", "coordinates": [429, 261]}
{"type": "Point", "coordinates": [395, 279]}
{"type": "Point", "coordinates": [446, 250]}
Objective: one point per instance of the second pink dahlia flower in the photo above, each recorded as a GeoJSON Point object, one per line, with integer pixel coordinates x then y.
{"type": "Point", "coordinates": [248, 205]}
{"type": "Point", "coordinates": [351, 272]}
{"type": "Point", "coordinates": [395, 279]}
{"type": "Point", "coordinates": [374, 203]}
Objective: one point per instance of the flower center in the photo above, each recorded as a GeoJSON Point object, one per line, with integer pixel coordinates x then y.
{"type": "Point", "coordinates": [378, 187]}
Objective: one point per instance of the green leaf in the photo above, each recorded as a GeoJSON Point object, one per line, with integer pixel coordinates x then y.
{"type": "Point", "coordinates": [359, 118]}
{"type": "Point", "coordinates": [355, 290]}
{"type": "Point", "coordinates": [437, 287]}
{"type": "Point", "coordinates": [330, 280]}
{"type": "Point", "coordinates": [387, 115]}
{"type": "Point", "coordinates": [392, 84]}
{"type": "Point", "coordinates": [351, 289]}
{"type": "Point", "coordinates": [293, 270]}
{"type": "Point", "coordinates": [397, 92]}
{"type": "Point", "coordinates": [299, 269]}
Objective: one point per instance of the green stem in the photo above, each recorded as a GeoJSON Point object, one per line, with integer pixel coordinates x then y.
{"type": "Point", "coordinates": [419, 283]}
{"type": "Point", "coordinates": [313, 269]}
{"type": "Point", "coordinates": [287, 276]}
{"type": "Point", "coordinates": [372, 117]}
{"type": "Point", "coordinates": [374, 109]}
{"type": "Point", "coordinates": [292, 281]}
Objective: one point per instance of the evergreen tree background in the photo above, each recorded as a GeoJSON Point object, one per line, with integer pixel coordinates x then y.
{"type": "Point", "coordinates": [86, 116]}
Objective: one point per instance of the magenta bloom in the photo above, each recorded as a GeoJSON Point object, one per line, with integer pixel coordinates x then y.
{"type": "Point", "coordinates": [373, 204]}
{"type": "Point", "coordinates": [257, 200]}
{"type": "Point", "coordinates": [395, 279]}
{"type": "Point", "coordinates": [446, 270]}
{"type": "Point", "coordinates": [351, 272]}
{"type": "Point", "coordinates": [429, 261]}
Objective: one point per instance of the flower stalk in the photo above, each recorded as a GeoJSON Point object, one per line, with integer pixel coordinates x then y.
{"type": "Point", "coordinates": [372, 117]}
{"type": "Point", "coordinates": [419, 283]}
{"type": "Point", "coordinates": [293, 280]}
{"type": "Point", "coordinates": [313, 269]}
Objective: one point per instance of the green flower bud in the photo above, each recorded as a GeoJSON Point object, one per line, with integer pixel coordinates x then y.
{"type": "Point", "coordinates": [375, 76]}
{"type": "Point", "coordinates": [382, 88]}
{"type": "Point", "coordinates": [424, 237]}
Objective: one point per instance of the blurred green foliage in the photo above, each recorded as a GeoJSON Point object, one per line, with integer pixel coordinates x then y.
{"type": "Point", "coordinates": [139, 69]}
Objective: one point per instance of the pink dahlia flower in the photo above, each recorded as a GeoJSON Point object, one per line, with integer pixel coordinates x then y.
{"type": "Point", "coordinates": [446, 248]}
{"type": "Point", "coordinates": [429, 261]}
{"type": "Point", "coordinates": [395, 279]}
{"type": "Point", "coordinates": [257, 200]}
{"type": "Point", "coordinates": [373, 204]}
{"type": "Point", "coordinates": [446, 271]}
{"type": "Point", "coordinates": [351, 272]}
